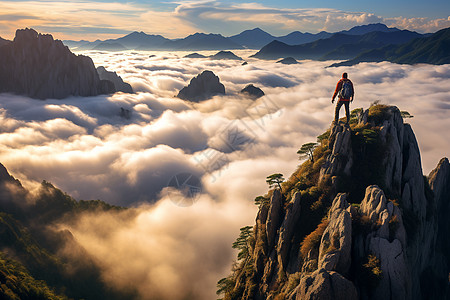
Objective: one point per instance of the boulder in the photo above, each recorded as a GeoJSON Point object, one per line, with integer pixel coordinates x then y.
{"type": "Point", "coordinates": [325, 285]}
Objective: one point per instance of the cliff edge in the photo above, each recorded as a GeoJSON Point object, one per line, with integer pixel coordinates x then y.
{"type": "Point", "coordinates": [358, 220]}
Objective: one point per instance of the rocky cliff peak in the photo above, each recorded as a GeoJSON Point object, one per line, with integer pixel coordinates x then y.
{"type": "Point", "coordinates": [358, 221]}
{"type": "Point", "coordinates": [252, 91]}
{"type": "Point", "coordinates": [38, 66]}
{"type": "Point", "coordinates": [202, 87]}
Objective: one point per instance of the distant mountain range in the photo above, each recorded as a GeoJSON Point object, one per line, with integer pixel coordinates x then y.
{"type": "Point", "coordinates": [338, 46]}
{"type": "Point", "coordinates": [434, 49]}
{"type": "Point", "coordinates": [143, 41]}
{"type": "Point", "coordinates": [366, 43]}
{"type": "Point", "coordinates": [249, 39]}
{"type": "Point", "coordinates": [257, 38]}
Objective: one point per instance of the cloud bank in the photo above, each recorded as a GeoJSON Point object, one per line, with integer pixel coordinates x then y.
{"type": "Point", "coordinates": [85, 147]}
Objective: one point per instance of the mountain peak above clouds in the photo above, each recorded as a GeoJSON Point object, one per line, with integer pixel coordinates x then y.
{"type": "Point", "coordinates": [360, 216]}
{"type": "Point", "coordinates": [37, 66]}
{"type": "Point", "coordinates": [203, 86]}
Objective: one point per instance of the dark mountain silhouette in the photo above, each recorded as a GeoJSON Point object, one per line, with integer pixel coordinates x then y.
{"type": "Point", "coordinates": [107, 46]}
{"type": "Point", "coordinates": [201, 41]}
{"type": "Point", "coordinates": [225, 55]}
{"type": "Point", "coordinates": [118, 83]}
{"type": "Point", "coordinates": [338, 46]}
{"type": "Point", "coordinates": [287, 61]}
{"type": "Point", "coordinates": [202, 87]}
{"type": "Point", "coordinates": [3, 42]}
{"type": "Point", "coordinates": [357, 220]}
{"type": "Point", "coordinates": [298, 38]}
{"type": "Point", "coordinates": [40, 67]}
{"type": "Point", "coordinates": [140, 41]}
{"type": "Point", "coordinates": [363, 29]}
{"type": "Point", "coordinates": [74, 44]}
{"type": "Point", "coordinates": [252, 39]}
{"type": "Point", "coordinates": [252, 91]}
{"type": "Point", "coordinates": [194, 55]}
{"type": "Point", "coordinates": [434, 49]}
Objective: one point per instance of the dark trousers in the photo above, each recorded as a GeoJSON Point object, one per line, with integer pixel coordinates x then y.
{"type": "Point", "coordinates": [338, 107]}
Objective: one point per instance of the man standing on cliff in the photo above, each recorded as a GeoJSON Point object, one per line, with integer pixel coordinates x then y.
{"type": "Point", "coordinates": [344, 90]}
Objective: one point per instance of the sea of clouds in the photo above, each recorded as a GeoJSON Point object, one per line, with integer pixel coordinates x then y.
{"type": "Point", "coordinates": [126, 149]}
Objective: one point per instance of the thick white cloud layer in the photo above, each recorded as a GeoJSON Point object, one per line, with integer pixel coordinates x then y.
{"type": "Point", "coordinates": [85, 147]}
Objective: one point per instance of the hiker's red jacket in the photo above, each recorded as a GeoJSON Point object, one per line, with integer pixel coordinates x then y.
{"type": "Point", "coordinates": [339, 86]}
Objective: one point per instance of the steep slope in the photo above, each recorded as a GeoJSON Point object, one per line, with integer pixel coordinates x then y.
{"type": "Point", "coordinates": [34, 261]}
{"type": "Point", "coordinates": [358, 220]}
{"type": "Point", "coordinates": [434, 49]}
{"type": "Point", "coordinates": [338, 46]}
{"type": "Point", "coordinates": [225, 55]}
{"type": "Point", "coordinates": [37, 66]}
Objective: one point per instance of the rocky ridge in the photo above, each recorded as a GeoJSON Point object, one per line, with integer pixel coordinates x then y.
{"type": "Point", "coordinates": [37, 66]}
{"type": "Point", "coordinates": [360, 222]}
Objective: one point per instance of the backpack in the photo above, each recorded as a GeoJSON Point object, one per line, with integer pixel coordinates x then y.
{"type": "Point", "coordinates": [346, 90]}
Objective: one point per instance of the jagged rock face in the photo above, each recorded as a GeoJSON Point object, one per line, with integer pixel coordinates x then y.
{"type": "Point", "coordinates": [252, 91]}
{"type": "Point", "coordinates": [118, 83]}
{"type": "Point", "coordinates": [387, 241]}
{"type": "Point", "coordinates": [336, 243]}
{"type": "Point", "coordinates": [393, 244]}
{"type": "Point", "coordinates": [40, 67]}
{"type": "Point", "coordinates": [202, 87]}
{"type": "Point", "coordinates": [340, 161]}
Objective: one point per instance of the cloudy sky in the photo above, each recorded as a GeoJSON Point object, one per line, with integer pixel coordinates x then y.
{"type": "Point", "coordinates": [82, 19]}
{"type": "Point", "coordinates": [229, 143]}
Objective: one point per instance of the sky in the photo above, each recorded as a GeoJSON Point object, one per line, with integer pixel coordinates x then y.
{"type": "Point", "coordinates": [102, 19]}
{"type": "Point", "coordinates": [166, 250]}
